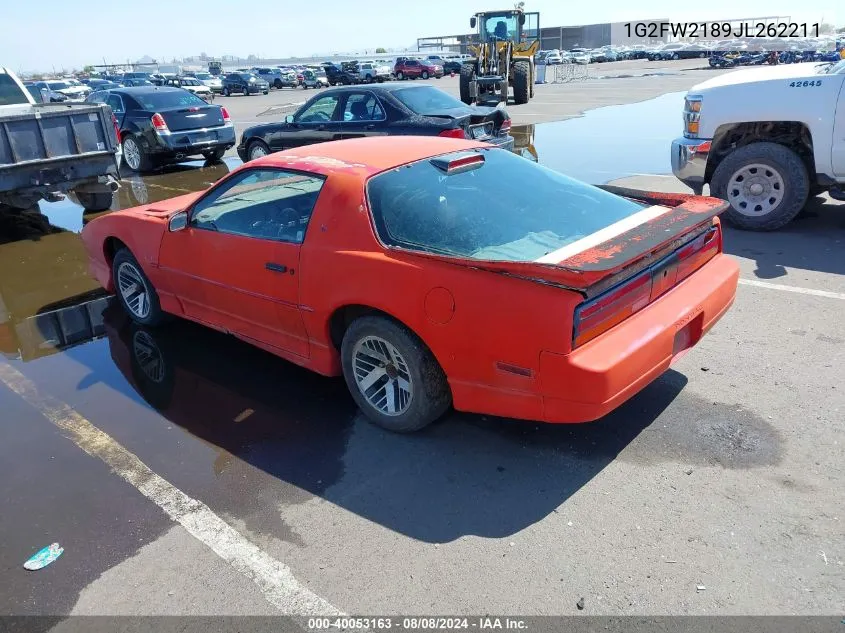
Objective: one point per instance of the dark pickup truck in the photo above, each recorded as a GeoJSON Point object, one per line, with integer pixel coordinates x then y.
{"type": "Point", "coordinates": [50, 149]}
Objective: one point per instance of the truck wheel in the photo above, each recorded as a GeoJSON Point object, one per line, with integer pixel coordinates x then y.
{"type": "Point", "coordinates": [95, 201]}
{"type": "Point", "coordinates": [766, 184]}
{"type": "Point", "coordinates": [503, 92]}
{"type": "Point", "coordinates": [392, 376]}
{"type": "Point", "coordinates": [467, 77]}
{"type": "Point", "coordinates": [521, 83]}
{"type": "Point", "coordinates": [134, 290]}
{"type": "Point", "coordinates": [134, 157]}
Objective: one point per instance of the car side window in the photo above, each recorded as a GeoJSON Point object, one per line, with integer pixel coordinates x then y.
{"type": "Point", "coordinates": [116, 104]}
{"type": "Point", "coordinates": [322, 110]}
{"type": "Point", "coordinates": [270, 204]}
{"type": "Point", "coordinates": [362, 107]}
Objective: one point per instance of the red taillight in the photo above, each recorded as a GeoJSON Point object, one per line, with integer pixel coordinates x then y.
{"type": "Point", "coordinates": [617, 304]}
{"type": "Point", "coordinates": [225, 113]}
{"type": "Point", "coordinates": [159, 123]}
{"type": "Point", "coordinates": [506, 127]}
{"type": "Point", "coordinates": [454, 133]}
{"type": "Point", "coordinates": [611, 308]}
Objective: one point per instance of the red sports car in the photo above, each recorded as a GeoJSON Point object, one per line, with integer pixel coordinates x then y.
{"type": "Point", "coordinates": [431, 272]}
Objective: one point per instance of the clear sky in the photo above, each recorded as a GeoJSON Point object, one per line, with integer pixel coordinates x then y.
{"type": "Point", "coordinates": [71, 33]}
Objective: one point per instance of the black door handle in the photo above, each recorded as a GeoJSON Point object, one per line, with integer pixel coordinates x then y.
{"type": "Point", "coordinates": [276, 268]}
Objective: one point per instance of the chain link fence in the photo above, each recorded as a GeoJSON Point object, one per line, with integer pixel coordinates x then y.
{"type": "Point", "coordinates": [566, 73]}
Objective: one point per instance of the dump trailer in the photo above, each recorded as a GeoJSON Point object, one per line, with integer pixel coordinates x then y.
{"type": "Point", "coordinates": [50, 149]}
{"type": "Point", "coordinates": [503, 57]}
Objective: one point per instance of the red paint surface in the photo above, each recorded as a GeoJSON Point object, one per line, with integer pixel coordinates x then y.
{"type": "Point", "coordinates": [499, 316]}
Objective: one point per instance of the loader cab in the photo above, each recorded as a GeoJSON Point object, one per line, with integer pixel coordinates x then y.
{"type": "Point", "coordinates": [511, 25]}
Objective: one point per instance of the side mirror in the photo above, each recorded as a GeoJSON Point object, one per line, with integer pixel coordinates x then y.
{"type": "Point", "coordinates": [178, 222]}
{"type": "Point", "coordinates": [289, 118]}
{"type": "Point", "coordinates": [521, 19]}
{"type": "Point", "coordinates": [472, 23]}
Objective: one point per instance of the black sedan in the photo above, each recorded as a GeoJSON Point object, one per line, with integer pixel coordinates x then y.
{"type": "Point", "coordinates": [377, 110]}
{"type": "Point", "coordinates": [160, 125]}
{"type": "Point", "coordinates": [245, 84]}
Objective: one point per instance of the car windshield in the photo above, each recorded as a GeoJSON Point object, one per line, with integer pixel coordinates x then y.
{"type": "Point", "coordinates": [162, 100]}
{"type": "Point", "coordinates": [57, 85]}
{"type": "Point", "coordinates": [190, 82]}
{"type": "Point", "coordinates": [427, 99]}
{"type": "Point", "coordinates": [203, 76]}
{"type": "Point", "coordinates": [508, 209]}
{"type": "Point", "coordinates": [246, 76]}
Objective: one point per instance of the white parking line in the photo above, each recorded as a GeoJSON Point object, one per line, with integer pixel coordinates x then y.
{"type": "Point", "coordinates": [274, 579]}
{"type": "Point", "coordinates": [798, 289]}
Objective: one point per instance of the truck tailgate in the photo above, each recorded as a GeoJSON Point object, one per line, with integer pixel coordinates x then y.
{"type": "Point", "coordinates": [54, 132]}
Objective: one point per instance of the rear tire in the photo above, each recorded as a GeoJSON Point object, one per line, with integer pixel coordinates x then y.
{"type": "Point", "coordinates": [780, 166]}
{"type": "Point", "coordinates": [136, 294]}
{"type": "Point", "coordinates": [467, 77]}
{"type": "Point", "coordinates": [521, 82]}
{"type": "Point", "coordinates": [214, 156]}
{"type": "Point", "coordinates": [226, 92]}
{"type": "Point", "coordinates": [400, 76]}
{"type": "Point", "coordinates": [277, 84]}
{"type": "Point", "coordinates": [94, 202]}
{"type": "Point", "coordinates": [424, 74]}
{"type": "Point", "coordinates": [134, 156]}
{"type": "Point", "coordinates": [425, 396]}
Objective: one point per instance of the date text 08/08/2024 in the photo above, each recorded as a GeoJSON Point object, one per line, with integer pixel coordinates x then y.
{"type": "Point", "coordinates": [718, 30]}
{"type": "Point", "coordinates": [485, 623]}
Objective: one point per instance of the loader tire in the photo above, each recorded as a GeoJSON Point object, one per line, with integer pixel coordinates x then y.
{"type": "Point", "coordinates": [467, 76]}
{"type": "Point", "coordinates": [521, 82]}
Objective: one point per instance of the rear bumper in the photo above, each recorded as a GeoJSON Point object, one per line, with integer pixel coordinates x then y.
{"type": "Point", "coordinates": [689, 161]}
{"type": "Point", "coordinates": [607, 371]}
{"type": "Point", "coordinates": [598, 377]}
{"type": "Point", "coordinates": [195, 141]}
{"type": "Point", "coordinates": [505, 142]}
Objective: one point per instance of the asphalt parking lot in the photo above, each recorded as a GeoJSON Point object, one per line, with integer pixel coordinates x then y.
{"type": "Point", "coordinates": [235, 483]}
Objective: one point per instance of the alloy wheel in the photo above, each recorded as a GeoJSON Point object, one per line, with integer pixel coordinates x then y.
{"type": "Point", "coordinates": [382, 375]}
{"type": "Point", "coordinates": [133, 290]}
{"type": "Point", "coordinates": [132, 154]}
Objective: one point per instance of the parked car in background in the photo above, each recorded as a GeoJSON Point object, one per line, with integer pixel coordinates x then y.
{"type": "Point", "coordinates": [452, 65]}
{"type": "Point", "coordinates": [456, 226]}
{"type": "Point", "coordinates": [580, 56]}
{"type": "Point", "coordinates": [273, 76]}
{"type": "Point", "coordinates": [417, 69]}
{"type": "Point", "coordinates": [212, 81]}
{"type": "Point", "coordinates": [244, 83]}
{"type": "Point", "coordinates": [42, 92]}
{"type": "Point", "coordinates": [136, 75]}
{"type": "Point", "coordinates": [97, 84]}
{"type": "Point", "coordinates": [192, 85]}
{"type": "Point", "coordinates": [552, 58]}
{"type": "Point", "coordinates": [374, 71]}
{"type": "Point", "coordinates": [139, 82]}
{"type": "Point", "coordinates": [314, 79]}
{"type": "Point", "coordinates": [340, 75]}
{"type": "Point", "coordinates": [69, 91]}
{"type": "Point", "coordinates": [161, 124]}
{"type": "Point", "coordinates": [375, 110]}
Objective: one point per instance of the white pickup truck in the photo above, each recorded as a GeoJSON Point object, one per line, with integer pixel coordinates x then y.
{"type": "Point", "coordinates": [765, 139]}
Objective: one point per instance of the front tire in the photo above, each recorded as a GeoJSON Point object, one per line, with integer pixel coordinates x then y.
{"type": "Point", "coordinates": [134, 291]}
{"type": "Point", "coordinates": [766, 184]}
{"type": "Point", "coordinates": [521, 82]}
{"type": "Point", "coordinates": [466, 79]}
{"type": "Point", "coordinates": [257, 149]}
{"type": "Point", "coordinates": [392, 376]}
{"type": "Point", "coordinates": [277, 84]}
{"type": "Point", "coordinates": [424, 74]}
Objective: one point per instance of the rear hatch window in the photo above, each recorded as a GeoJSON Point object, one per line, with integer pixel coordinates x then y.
{"type": "Point", "coordinates": [428, 100]}
{"type": "Point", "coordinates": [507, 209]}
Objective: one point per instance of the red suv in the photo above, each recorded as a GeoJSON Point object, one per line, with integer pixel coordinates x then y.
{"type": "Point", "coordinates": [407, 68]}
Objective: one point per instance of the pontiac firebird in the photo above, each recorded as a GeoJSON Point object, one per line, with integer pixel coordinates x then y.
{"type": "Point", "coordinates": [431, 273]}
